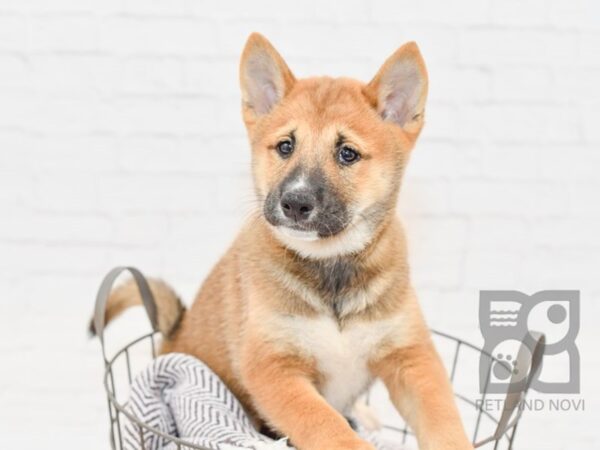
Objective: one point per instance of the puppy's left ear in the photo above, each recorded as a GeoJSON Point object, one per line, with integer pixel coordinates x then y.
{"type": "Point", "coordinates": [399, 90]}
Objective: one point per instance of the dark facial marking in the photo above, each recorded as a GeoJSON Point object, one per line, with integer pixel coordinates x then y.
{"type": "Point", "coordinates": [330, 215]}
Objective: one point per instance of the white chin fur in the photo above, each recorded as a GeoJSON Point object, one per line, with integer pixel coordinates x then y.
{"type": "Point", "coordinates": [308, 244]}
{"type": "Point", "coordinates": [290, 233]}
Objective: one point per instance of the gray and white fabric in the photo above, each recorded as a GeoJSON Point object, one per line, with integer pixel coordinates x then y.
{"type": "Point", "coordinates": [180, 396]}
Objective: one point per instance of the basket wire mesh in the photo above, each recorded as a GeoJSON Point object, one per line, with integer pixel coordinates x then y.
{"type": "Point", "coordinates": [505, 424]}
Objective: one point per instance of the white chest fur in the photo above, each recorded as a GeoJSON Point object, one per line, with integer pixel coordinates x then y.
{"type": "Point", "coordinates": [342, 356]}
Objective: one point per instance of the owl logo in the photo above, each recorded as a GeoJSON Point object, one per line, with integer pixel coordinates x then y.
{"type": "Point", "coordinates": [507, 320]}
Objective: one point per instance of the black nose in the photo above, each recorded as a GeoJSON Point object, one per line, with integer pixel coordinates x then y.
{"type": "Point", "coordinates": [297, 205]}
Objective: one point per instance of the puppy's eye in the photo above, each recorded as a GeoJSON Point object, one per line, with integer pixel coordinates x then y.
{"type": "Point", "coordinates": [347, 155]}
{"type": "Point", "coordinates": [285, 148]}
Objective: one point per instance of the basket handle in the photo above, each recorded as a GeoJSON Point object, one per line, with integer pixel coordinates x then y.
{"type": "Point", "coordinates": [104, 291]}
{"type": "Point", "coordinates": [514, 396]}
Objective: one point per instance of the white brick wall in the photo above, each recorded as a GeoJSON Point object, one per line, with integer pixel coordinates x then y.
{"type": "Point", "coordinates": [121, 143]}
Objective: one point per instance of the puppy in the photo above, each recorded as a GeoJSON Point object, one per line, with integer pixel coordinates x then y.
{"type": "Point", "coordinates": [313, 301]}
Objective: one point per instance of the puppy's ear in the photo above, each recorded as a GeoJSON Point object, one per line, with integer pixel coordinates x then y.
{"type": "Point", "coordinates": [399, 90]}
{"type": "Point", "coordinates": [264, 77]}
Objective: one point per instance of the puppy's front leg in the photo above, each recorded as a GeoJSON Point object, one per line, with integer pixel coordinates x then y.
{"type": "Point", "coordinates": [420, 390]}
{"type": "Point", "coordinates": [283, 391]}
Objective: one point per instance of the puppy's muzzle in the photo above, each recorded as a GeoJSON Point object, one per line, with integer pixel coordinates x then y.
{"type": "Point", "coordinates": [298, 205]}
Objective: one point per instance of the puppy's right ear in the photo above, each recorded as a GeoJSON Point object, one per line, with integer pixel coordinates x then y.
{"type": "Point", "coordinates": [264, 76]}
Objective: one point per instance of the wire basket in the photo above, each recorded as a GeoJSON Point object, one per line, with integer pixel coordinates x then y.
{"type": "Point", "coordinates": [118, 371]}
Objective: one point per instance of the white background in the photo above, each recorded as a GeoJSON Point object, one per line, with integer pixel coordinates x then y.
{"type": "Point", "coordinates": [121, 143]}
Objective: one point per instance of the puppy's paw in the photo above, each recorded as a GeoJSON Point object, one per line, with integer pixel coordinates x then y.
{"type": "Point", "coordinates": [349, 444]}
{"type": "Point", "coordinates": [447, 446]}
{"type": "Point", "coordinates": [366, 416]}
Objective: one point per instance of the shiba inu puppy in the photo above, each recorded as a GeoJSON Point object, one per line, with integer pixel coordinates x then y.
{"type": "Point", "coordinates": [313, 301]}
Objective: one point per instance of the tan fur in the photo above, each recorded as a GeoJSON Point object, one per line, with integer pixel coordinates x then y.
{"type": "Point", "coordinates": [266, 319]}
{"type": "Point", "coordinates": [170, 309]}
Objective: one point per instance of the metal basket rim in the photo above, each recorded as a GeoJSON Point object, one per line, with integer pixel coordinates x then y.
{"type": "Point", "coordinates": [508, 420]}
{"type": "Point", "coordinates": [121, 408]}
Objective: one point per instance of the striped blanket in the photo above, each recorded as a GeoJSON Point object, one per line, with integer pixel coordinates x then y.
{"type": "Point", "coordinates": [180, 396]}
